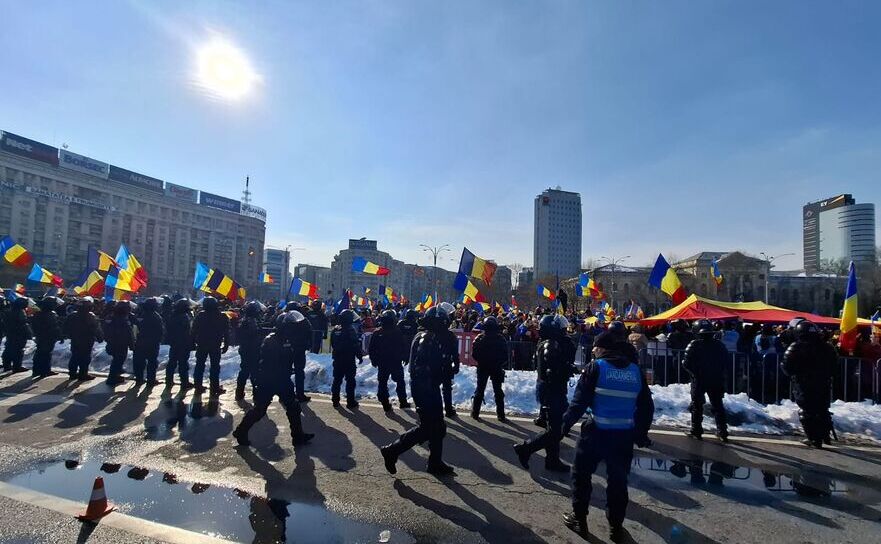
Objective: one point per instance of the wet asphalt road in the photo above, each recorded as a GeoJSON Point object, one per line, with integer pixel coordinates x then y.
{"type": "Point", "coordinates": [681, 490]}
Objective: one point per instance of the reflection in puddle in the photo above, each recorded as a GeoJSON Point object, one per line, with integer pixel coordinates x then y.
{"type": "Point", "coordinates": [217, 511]}
{"type": "Point", "coordinates": [717, 475]}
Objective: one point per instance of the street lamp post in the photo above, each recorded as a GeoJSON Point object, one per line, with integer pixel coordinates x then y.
{"type": "Point", "coordinates": [614, 261]}
{"type": "Point", "coordinates": [435, 251]}
{"type": "Point", "coordinates": [770, 260]}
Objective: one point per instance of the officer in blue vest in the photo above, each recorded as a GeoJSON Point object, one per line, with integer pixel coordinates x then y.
{"type": "Point", "coordinates": [555, 364]}
{"type": "Point", "coordinates": [614, 389]}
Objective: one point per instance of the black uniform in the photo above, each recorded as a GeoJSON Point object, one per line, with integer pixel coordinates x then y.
{"type": "Point", "coordinates": [451, 368]}
{"type": "Point", "coordinates": [388, 348]}
{"type": "Point", "coordinates": [211, 338]}
{"type": "Point", "coordinates": [47, 332]}
{"type": "Point", "coordinates": [178, 334]}
{"type": "Point", "coordinates": [810, 362]}
{"type": "Point", "coordinates": [616, 391]}
{"type": "Point", "coordinates": [490, 350]}
{"type": "Point", "coordinates": [18, 332]}
{"type": "Point", "coordinates": [249, 337]}
{"type": "Point", "coordinates": [83, 329]}
{"type": "Point", "coordinates": [318, 328]}
{"type": "Point", "coordinates": [272, 378]}
{"type": "Point", "coordinates": [555, 363]}
{"type": "Point", "coordinates": [145, 356]}
{"type": "Point", "coordinates": [705, 359]}
{"type": "Point", "coordinates": [120, 339]}
{"type": "Point", "coordinates": [345, 345]}
{"type": "Point", "coordinates": [409, 327]}
{"type": "Point", "coordinates": [301, 342]}
{"type": "Point", "coordinates": [429, 358]}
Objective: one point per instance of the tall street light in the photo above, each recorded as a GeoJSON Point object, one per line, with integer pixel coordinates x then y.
{"type": "Point", "coordinates": [770, 260]}
{"type": "Point", "coordinates": [614, 261]}
{"type": "Point", "coordinates": [435, 251]}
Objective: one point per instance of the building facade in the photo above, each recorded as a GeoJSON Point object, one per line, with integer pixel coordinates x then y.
{"type": "Point", "coordinates": [277, 263]}
{"type": "Point", "coordinates": [319, 276]}
{"type": "Point", "coordinates": [557, 234]}
{"type": "Point", "coordinates": [837, 229]}
{"type": "Point", "coordinates": [58, 204]}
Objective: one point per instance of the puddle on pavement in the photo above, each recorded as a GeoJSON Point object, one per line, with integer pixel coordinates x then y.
{"type": "Point", "coordinates": [209, 509]}
{"type": "Point", "coordinates": [722, 478]}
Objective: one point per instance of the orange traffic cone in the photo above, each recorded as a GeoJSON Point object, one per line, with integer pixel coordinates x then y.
{"type": "Point", "coordinates": [98, 506]}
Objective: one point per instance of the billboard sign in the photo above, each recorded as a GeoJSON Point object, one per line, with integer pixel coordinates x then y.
{"type": "Point", "coordinates": [219, 202]}
{"type": "Point", "coordinates": [19, 145]}
{"type": "Point", "coordinates": [83, 164]}
{"type": "Point", "coordinates": [133, 178]}
{"type": "Point", "coordinates": [179, 192]}
{"type": "Point", "coordinates": [363, 243]}
{"type": "Point", "coordinates": [254, 211]}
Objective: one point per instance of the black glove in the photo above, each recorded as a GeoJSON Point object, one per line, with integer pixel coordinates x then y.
{"type": "Point", "coordinates": [224, 349]}
{"type": "Point", "coordinates": [643, 442]}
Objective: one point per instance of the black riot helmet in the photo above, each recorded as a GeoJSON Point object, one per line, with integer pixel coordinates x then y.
{"type": "Point", "coordinates": [347, 317]}
{"type": "Point", "coordinates": [806, 330]}
{"type": "Point", "coordinates": [210, 304]}
{"type": "Point", "coordinates": [254, 309]}
{"type": "Point", "coordinates": [149, 305]}
{"type": "Point", "coordinates": [436, 319]}
{"type": "Point", "coordinates": [48, 303]}
{"type": "Point", "coordinates": [491, 324]}
{"type": "Point", "coordinates": [411, 315]}
{"type": "Point", "coordinates": [618, 328]}
{"type": "Point", "coordinates": [388, 318]}
{"type": "Point", "coordinates": [182, 305]}
{"type": "Point", "coordinates": [703, 327]}
{"type": "Point", "coordinates": [548, 327]}
{"type": "Point", "coordinates": [20, 303]}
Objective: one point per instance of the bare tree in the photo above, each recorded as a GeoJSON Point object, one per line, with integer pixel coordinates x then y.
{"type": "Point", "coordinates": [516, 268]}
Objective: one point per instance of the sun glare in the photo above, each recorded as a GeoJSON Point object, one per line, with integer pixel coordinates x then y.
{"type": "Point", "coordinates": [224, 70]}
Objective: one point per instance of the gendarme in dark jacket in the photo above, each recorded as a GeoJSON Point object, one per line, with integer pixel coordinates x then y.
{"type": "Point", "coordinates": [210, 330]}
{"type": "Point", "coordinates": [387, 347]}
{"type": "Point", "coordinates": [705, 359]}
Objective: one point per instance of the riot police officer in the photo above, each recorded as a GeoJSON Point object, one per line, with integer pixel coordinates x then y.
{"type": "Point", "coordinates": [617, 393]}
{"type": "Point", "coordinates": [810, 361]}
{"type": "Point", "coordinates": [83, 329]}
{"type": "Point", "coordinates": [18, 332]}
{"type": "Point", "coordinates": [211, 337]}
{"type": "Point", "coordinates": [428, 358]}
{"type": "Point", "coordinates": [345, 347]}
{"type": "Point", "coordinates": [180, 343]}
{"type": "Point", "coordinates": [151, 332]}
{"type": "Point", "coordinates": [705, 359]}
{"type": "Point", "coordinates": [120, 339]}
{"type": "Point", "coordinates": [47, 331]}
{"type": "Point", "coordinates": [555, 364]}
{"type": "Point", "coordinates": [249, 338]}
{"type": "Point", "coordinates": [387, 350]}
{"type": "Point", "coordinates": [272, 378]}
{"type": "Point", "coordinates": [409, 327]}
{"type": "Point", "coordinates": [303, 341]}
{"type": "Point", "coordinates": [451, 364]}
{"type": "Point", "coordinates": [490, 350]}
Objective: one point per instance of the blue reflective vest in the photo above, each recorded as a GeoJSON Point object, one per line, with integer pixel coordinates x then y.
{"type": "Point", "coordinates": [616, 391]}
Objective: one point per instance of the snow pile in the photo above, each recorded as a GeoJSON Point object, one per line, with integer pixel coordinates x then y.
{"type": "Point", "coordinates": [671, 402]}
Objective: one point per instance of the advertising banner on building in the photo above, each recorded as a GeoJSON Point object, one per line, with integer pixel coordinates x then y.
{"type": "Point", "coordinates": [180, 192]}
{"type": "Point", "coordinates": [19, 145]}
{"type": "Point", "coordinates": [254, 211]}
{"type": "Point", "coordinates": [81, 163]}
{"type": "Point", "coordinates": [133, 178]}
{"type": "Point", "coordinates": [219, 202]}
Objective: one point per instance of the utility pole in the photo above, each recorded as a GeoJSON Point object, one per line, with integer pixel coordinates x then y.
{"type": "Point", "coordinates": [435, 251]}
{"type": "Point", "coordinates": [614, 262]}
{"type": "Point", "coordinates": [770, 260]}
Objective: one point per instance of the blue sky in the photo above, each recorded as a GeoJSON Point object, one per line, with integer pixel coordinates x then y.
{"type": "Point", "coordinates": [686, 126]}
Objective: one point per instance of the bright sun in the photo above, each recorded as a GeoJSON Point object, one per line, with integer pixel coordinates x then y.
{"type": "Point", "coordinates": [224, 70]}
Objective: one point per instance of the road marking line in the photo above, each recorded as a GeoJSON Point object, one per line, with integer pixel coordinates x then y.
{"type": "Point", "coordinates": [117, 520]}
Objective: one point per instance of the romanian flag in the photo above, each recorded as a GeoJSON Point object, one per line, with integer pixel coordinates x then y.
{"type": "Point", "coordinates": [473, 266]}
{"type": "Point", "coordinates": [663, 277]}
{"type": "Point", "coordinates": [587, 287]}
{"type": "Point", "coordinates": [303, 289]}
{"type": "Point", "coordinates": [848, 337]}
{"type": "Point", "coordinates": [716, 273]}
{"type": "Point", "coordinates": [121, 280]}
{"type": "Point", "coordinates": [462, 283]}
{"type": "Point", "coordinates": [127, 262]}
{"type": "Point", "coordinates": [266, 278]}
{"type": "Point", "coordinates": [543, 291]}
{"type": "Point", "coordinates": [117, 294]}
{"type": "Point", "coordinates": [481, 307]}
{"type": "Point", "coordinates": [388, 293]}
{"type": "Point", "coordinates": [201, 275]}
{"type": "Point", "coordinates": [360, 264]}
{"type": "Point", "coordinates": [223, 285]}
{"type": "Point", "coordinates": [100, 261]}
{"type": "Point", "coordinates": [639, 313]}
{"type": "Point", "coordinates": [41, 275]}
{"type": "Point", "coordinates": [15, 254]}
{"type": "Point", "coordinates": [91, 283]}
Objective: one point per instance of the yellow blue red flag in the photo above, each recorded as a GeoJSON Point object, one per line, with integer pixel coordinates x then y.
{"type": "Point", "coordinates": [473, 266]}
{"type": "Point", "coordinates": [664, 277]}
{"type": "Point", "coordinates": [848, 337]}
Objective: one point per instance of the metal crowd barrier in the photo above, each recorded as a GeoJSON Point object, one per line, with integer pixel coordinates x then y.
{"type": "Point", "coordinates": [762, 378]}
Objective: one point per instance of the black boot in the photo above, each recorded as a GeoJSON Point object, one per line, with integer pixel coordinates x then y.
{"type": "Point", "coordinates": [577, 523]}
{"type": "Point", "coordinates": [387, 406]}
{"type": "Point", "coordinates": [240, 392]}
{"type": "Point", "coordinates": [390, 457]}
{"type": "Point", "coordinates": [616, 533]}
{"type": "Point", "coordinates": [523, 455]}
{"type": "Point", "coordinates": [241, 437]}
{"type": "Point", "coordinates": [500, 410]}
{"type": "Point", "coordinates": [402, 403]}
